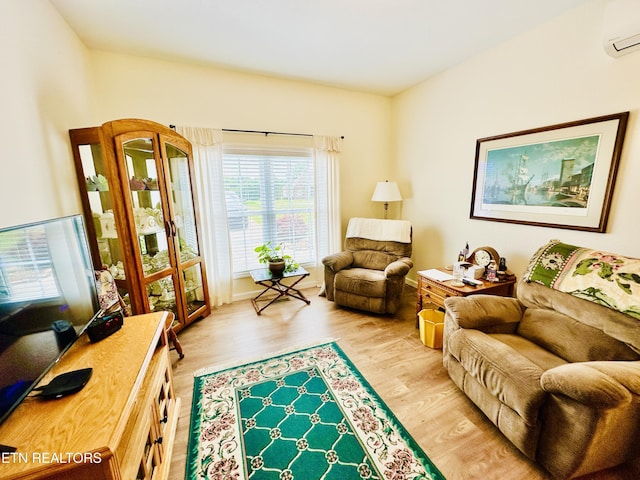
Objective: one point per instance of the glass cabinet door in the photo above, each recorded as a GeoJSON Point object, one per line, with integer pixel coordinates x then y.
{"type": "Point", "coordinates": [99, 204]}
{"type": "Point", "coordinates": [146, 202]}
{"type": "Point", "coordinates": [182, 203]}
{"type": "Point", "coordinates": [144, 171]}
{"type": "Point", "coordinates": [185, 227]}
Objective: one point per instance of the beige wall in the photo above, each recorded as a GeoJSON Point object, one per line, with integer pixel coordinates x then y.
{"type": "Point", "coordinates": [43, 90]}
{"type": "Point", "coordinates": [553, 74]}
{"type": "Point", "coordinates": [173, 93]}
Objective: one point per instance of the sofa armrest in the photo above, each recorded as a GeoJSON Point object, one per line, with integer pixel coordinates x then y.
{"type": "Point", "coordinates": [398, 268]}
{"type": "Point", "coordinates": [338, 261]}
{"type": "Point", "coordinates": [598, 384]}
{"type": "Point", "coordinates": [489, 313]}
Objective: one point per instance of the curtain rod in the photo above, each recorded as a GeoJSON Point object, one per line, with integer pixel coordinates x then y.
{"type": "Point", "coordinates": [265, 133]}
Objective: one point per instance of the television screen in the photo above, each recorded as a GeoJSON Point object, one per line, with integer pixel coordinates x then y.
{"type": "Point", "coordinates": [47, 298]}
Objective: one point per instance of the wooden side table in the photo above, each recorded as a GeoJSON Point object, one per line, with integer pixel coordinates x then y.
{"type": "Point", "coordinates": [265, 278]}
{"type": "Point", "coordinates": [435, 291]}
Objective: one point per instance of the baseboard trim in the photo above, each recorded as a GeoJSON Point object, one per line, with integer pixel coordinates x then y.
{"type": "Point", "coordinates": [301, 285]}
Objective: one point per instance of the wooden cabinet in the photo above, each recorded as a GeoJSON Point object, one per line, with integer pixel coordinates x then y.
{"type": "Point", "coordinates": [435, 292]}
{"type": "Point", "coordinates": [136, 184]}
{"type": "Point", "coordinates": [121, 425]}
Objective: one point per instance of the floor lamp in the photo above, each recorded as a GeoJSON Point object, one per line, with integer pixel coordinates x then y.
{"type": "Point", "coordinates": [386, 192]}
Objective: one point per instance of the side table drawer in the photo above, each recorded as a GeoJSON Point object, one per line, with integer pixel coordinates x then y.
{"type": "Point", "coordinates": [435, 294]}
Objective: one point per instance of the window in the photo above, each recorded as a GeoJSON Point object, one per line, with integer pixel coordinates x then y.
{"type": "Point", "coordinates": [26, 273]}
{"type": "Point", "coordinates": [270, 196]}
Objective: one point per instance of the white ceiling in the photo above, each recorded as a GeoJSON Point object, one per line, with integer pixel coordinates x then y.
{"type": "Point", "coordinates": [377, 46]}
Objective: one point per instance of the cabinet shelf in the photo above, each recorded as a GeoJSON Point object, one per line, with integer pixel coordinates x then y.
{"type": "Point", "coordinates": [150, 231]}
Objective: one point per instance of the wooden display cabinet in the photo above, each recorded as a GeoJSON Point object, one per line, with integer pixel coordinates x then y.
{"type": "Point", "coordinates": [136, 184]}
{"type": "Point", "coordinates": [121, 425]}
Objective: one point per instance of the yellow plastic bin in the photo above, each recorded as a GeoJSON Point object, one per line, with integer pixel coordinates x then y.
{"type": "Point", "coordinates": [431, 326]}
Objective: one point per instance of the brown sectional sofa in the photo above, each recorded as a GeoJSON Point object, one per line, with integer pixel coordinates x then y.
{"type": "Point", "coordinates": [557, 374]}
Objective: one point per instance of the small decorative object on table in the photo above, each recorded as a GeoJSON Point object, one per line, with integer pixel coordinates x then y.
{"type": "Point", "coordinates": [458, 274]}
{"type": "Point", "coordinates": [483, 256]}
{"type": "Point", "coordinates": [462, 256]}
{"type": "Point", "coordinates": [492, 272]}
{"type": "Point", "coordinates": [502, 267]}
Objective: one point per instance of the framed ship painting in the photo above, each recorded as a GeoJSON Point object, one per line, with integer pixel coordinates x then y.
{"type": "Point", "coordinates": [560, 176]}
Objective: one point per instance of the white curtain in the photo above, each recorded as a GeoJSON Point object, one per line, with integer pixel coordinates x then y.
{"type": "Point", "coordinates": [327, 163]}
{"type": "Point", "coordinates": [214, 228]}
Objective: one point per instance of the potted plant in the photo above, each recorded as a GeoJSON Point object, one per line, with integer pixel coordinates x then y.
{"type": "Point", "coordinates": [274, 257]}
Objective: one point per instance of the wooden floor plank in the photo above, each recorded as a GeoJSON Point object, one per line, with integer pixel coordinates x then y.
{"type": "Point", "coordinates": [408, 376]}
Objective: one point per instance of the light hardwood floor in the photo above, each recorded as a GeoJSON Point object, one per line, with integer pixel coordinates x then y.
{"type": "Point", "coordinates": [408, 376]}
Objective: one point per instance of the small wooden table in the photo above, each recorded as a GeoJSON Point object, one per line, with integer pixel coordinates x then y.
{"type": "Point", "coordinates": [265, 278]}
{"type": "Point", "coordinates": [435, 291]}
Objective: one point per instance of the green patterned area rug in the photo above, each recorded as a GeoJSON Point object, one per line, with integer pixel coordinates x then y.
{"type": "Point", "coordinates": [302, 415]}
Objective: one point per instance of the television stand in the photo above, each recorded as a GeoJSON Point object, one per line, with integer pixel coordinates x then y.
{"type": "Point", "coordinates": [121, 425]}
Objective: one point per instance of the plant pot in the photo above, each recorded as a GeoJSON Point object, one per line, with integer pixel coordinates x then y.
{"type": "Point", "coordinates": [277, 268]}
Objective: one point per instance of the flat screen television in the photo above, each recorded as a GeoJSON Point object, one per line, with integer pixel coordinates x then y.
{"type": "Point", "coordinates": [46, 281]}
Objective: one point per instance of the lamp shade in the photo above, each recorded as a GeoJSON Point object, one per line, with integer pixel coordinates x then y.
{"type": "Point", "coordinates": [386, 192]}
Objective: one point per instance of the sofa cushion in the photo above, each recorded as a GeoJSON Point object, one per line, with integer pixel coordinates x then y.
{"type": "Point", "coordinates": [571, 339]}
{"type": "Point", "coordinates": [508, 366]}
{"type": "Point", "coordinates": [521, 434]}
{"type": "Point", "coordinates": [543, 358]}
{"type": "Point", "coordinates": [619, 326]}
{"type": "Point", "coordinates": [361, 281]}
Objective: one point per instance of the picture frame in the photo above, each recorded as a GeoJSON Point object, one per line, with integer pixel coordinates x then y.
{"type": "Point", "coordinates": [560, 176]}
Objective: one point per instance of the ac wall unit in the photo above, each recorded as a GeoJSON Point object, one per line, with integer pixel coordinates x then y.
{"type": "Point", "coordinates": [622, 27]}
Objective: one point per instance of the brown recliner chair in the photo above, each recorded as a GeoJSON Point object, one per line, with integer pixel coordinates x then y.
{"type": "Point", "coordinates": [370, 273]}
